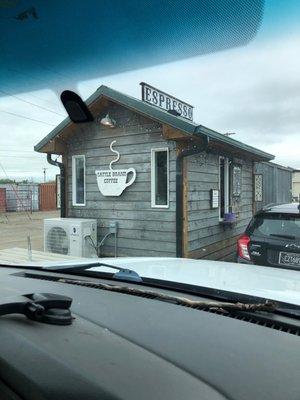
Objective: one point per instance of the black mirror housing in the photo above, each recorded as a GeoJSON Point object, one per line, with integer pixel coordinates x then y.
{"type": "Point", "coordinates": [76, 107]}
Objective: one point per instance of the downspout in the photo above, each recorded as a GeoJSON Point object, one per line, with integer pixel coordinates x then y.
{"type": "Point", "coordinates": [194, 149]}
{"type": "Point", "coordinates": [62, 184]}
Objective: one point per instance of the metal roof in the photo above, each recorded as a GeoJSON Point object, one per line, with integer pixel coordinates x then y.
{"type": "Point", "coordinates": [279, 166]}
{"type": "Point", "coordinates": [161, 116]}
{"type": "Point", "coordinates": [289, 208]}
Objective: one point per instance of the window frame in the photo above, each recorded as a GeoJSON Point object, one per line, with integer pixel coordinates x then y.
{"type": "Point", "coordinates": [227, 195]}
{"type": "Point", "coordinates": [74, 186]}
{"type": "Point", "coordinates": [153, 180]}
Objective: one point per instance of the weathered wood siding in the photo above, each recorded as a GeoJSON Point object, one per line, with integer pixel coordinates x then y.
{"type": "Point", "coordinates": [207, 238]}
{"type": "Point", "coordinates": [277, 184]}
{"type": "Point", "coordinates": [143, 231]}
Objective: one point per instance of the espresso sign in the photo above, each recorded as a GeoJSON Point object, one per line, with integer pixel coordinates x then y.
{"type": "Point", "coordinates": [113, 182]}
{"type": "Point", "coordinates": [163, 100]}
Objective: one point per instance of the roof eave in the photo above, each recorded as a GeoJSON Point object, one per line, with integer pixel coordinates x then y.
{"type": "Point", "coordinates": [107, 93]}
{"type": "Point", "coordinates": [52, 135]}
{"type": "Point", "coordinates": [161, 116]}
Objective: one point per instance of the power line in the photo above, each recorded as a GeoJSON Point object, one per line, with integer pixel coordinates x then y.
{"type": "Point", "coordinates": [17, 171]}
{"type": "Point", "coordinates": [7, 150]}
{"type": "Point", "coordinates": [34, 78]}
{"type": "Point", "coordinates": [25, 156]}
{"type": "Point", "coordinates": [21, 157]}
{"type": "Point", "coordinates": [16, 151]}
{"type": "Point", "coordinates": [32, 104]}
{"type": "Point", "coordinates": [44, 100]}
{"type": "Point", "coordinates": [57, 79]}
{"type": "Point", "coordinates": [20, 171]}
{"type": "Point", "coordinates": [14, 146]}
{"type": "Point", "coordinates": [30, 119]}
{"type": "Point", "coordinates": [62, 77]}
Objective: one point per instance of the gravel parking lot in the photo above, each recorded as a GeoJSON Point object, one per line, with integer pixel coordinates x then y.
{"type": "Point", "coordinates": [16, 226]}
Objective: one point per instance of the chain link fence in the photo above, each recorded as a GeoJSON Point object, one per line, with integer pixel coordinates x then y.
{"type": "Point", "coordinates": [19, 198]}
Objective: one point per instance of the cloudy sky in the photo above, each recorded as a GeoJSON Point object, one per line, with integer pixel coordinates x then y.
{"type": "Point", "coordinates": [253, 91]}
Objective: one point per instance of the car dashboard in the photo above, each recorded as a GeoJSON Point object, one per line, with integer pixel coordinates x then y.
{"type": "Point", "coordinates": [121, 346]}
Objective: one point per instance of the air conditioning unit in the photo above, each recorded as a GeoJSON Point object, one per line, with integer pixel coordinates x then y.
{"type": "Point", "coordinates": [71, 236]}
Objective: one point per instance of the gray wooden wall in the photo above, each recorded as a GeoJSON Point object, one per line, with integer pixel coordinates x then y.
{"type": "Point", "coordinates": [207, 238]}
{"type": "Point", "coordinates": [143, 231]}
{"type": "Point", "coordinates": [277, 184]}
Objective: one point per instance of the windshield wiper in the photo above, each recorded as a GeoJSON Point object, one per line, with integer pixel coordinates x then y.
{"type": "Point", "coordinates": [223, 306]}
{"type": "Point", "coordinates": [123, 274]}
{"type": "Point", "coordinates": [283, 236]}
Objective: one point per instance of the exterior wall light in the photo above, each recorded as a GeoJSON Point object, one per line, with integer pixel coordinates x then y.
{"type": "Point", "coordinates": [107, 121]}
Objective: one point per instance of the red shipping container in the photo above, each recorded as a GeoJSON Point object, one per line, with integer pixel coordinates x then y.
{"type": "Point", "coordinates": [47, 196]}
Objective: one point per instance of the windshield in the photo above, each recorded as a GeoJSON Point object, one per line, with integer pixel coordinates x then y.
{"type": "Point", "coordinates": [189, 127]}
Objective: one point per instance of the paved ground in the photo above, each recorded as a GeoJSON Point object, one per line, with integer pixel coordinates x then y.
{"type": "Point", "coordinates": [16, 226]}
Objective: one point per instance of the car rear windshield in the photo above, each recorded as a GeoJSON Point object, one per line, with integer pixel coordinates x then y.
{"type": "Point", "coordinates": [276, 225]}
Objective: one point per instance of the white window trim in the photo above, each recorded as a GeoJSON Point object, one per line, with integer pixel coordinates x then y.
{"type": "Point", "coordinates": [153, 182]}
{"type": "Point", "coordinates": [226, 182]}
{"type": "Point", "coordinates": [74, 181]}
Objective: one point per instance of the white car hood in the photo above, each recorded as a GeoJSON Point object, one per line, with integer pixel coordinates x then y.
{"type": "Point", "coordinates": [273, 283]}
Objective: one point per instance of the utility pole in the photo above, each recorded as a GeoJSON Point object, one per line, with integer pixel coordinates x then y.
{"type": "Point", "coordinates": [44, 172]}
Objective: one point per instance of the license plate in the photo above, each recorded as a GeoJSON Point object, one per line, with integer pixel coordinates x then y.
{"type": "Point", "coordinates": [291, 259]}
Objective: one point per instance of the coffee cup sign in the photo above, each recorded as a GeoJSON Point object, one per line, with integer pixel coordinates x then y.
{"type": "Point", "coordinates": [112, 182]}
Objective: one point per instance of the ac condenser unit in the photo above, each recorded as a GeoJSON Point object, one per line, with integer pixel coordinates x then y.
{"type": "Point", "coordinates": [71, 236]}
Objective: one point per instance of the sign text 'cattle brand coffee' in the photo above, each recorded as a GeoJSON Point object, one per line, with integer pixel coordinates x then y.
{"type": "Point", "coordinates": [165, 101]}
{"type": "Point", "coordinates": [112, 182]}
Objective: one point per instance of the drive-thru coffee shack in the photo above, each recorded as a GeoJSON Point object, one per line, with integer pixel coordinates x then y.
{"type": "Point", "coordinates": [175, 188]}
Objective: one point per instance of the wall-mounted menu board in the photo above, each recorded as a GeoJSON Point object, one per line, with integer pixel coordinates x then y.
{"type": "Point", "coordinates": [214, 198]}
